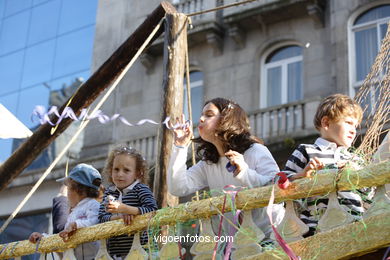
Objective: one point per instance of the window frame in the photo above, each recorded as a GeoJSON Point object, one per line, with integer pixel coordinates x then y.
{"type": "Point", "coordinates": [263, 102]}
{"type": "Point", "coordinates": [198, 83]}
{"type": "Point", "coordinates": [352, 29]}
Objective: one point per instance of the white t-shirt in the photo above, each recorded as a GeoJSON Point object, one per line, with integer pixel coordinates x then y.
{"type": "Point", "coordinates": [260, 169]}
{"type": "Point", "coordinates": [85, 214]}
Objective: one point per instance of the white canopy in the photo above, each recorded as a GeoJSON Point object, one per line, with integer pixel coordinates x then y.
{"type": "Point", "coordinates": [10, 126]}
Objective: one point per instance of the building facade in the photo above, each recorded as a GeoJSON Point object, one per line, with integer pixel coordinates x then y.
{"type": "Point", "coordinates": [276, 58]}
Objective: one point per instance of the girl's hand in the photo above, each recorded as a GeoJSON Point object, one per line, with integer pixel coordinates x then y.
{"type": "Point", "coordinates": [115, 207]}
{"type": "Point", "coordinates": [119, 207]}
{"type": "Point", "coordinates": [127, 219]}
{"type": "Point", "coordinates": [236, 159]}
{"type": "Point", "coordinates": [34, 237]}
{"type": "Point", "coordinates": [68, 232]}
{"type": "Point", "coordinates": [182, 131]}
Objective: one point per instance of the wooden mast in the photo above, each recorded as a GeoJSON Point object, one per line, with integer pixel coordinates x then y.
{"type": "Point", "coordinates": [174, 60]}
{"type": "Point", "coordinates": [87, 93]}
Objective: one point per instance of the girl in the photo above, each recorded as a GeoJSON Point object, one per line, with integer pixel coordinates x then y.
{"type": "Point", "coordinates": [127, 195]}
{"type": "Point", "coordinates": [83, 185]}
{"type": "Point", "coordinates": [230, 156]}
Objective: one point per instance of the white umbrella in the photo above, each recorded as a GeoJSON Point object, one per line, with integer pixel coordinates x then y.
{"type": "Point", "coordinates": [10, 126]}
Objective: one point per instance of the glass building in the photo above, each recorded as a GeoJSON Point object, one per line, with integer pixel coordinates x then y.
{"type": "Point", "coordinates": [44, 44]}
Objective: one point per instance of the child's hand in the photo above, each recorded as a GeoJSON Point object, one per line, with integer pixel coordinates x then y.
{"type": "Point", "coordinates": [314, 165]}
{"type": "Point", "coordinates": [34, 237]}
{"type": "Point", "coordinates": [182, 131]}
{"type": "Point", "coordinates": [127, 219]}
{"type": "Point", "coordinates": [114, 206]}
{"type": "Point", "coordinates": [236, 159]}
{"type": "Point", "coordinates": [68, 232]}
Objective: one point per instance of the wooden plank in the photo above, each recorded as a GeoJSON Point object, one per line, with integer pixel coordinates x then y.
{"type": "Point", "coordinates": [84, 97]}
{"type": "Point", "coordinates": [174, 64]}
{"type": "Point", "coordinates": [343, 242]}
{"type": "Point", "coordinates": [373, 175]}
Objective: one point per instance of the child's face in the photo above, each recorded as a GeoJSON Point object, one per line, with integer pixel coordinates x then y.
{"type": "Point", "coordinates": [73, 197]}
{"type": "Point", "coordinates": [341, 132]}
{"type": "Point", "coordinates": [208, 122]}
{"type": "Point", "coordinates": [124, 171]}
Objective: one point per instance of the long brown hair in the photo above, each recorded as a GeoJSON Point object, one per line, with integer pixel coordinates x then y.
{"type": "Point", "coordinates": [141, 164]}
{"type": "Point", "coordinates": [233, 131]}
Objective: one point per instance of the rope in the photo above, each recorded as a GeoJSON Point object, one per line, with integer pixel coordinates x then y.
{"type": "Point", "coordinates": [189, 105]}
{"type": "Point", "coordinates": [220, 7]}
{"type": "Point", "coordinates": [81, 128]}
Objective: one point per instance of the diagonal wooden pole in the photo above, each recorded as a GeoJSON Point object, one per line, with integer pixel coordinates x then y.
{"type": "Point", "coordinates": [84, 96]}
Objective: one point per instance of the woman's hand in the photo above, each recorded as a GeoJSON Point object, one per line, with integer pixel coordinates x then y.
{"type": "Point", "coordinates": [34, 237]}
{"type": "Point", "coordinates": [182, 131]}
{"type": "Point", "coordinates": [236, 159]}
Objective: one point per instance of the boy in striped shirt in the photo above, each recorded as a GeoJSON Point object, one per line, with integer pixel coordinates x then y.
{"type": "Point", "coordinates": [336, 119]}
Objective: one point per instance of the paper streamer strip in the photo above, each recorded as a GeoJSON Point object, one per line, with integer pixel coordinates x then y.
{"type": "Point", "coordinates": [44, 117]}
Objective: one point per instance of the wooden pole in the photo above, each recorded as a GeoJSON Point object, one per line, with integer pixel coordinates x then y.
{"type": "Point", "coordinates": [373, 175]}
{"type": "Point", "coordinates": [84, 96]}
{"type": "Point", "coordinates": [174, 61]}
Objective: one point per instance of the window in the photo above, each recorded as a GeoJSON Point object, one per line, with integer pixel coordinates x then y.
{"type": "Point", "coordinates": [282, 77]}
{"type": "Point", "coordinates": [196, 82]}
{"type": "Point", "coordinates": [367, 32]}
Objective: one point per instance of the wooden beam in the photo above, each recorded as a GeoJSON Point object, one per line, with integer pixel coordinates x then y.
{"type": "Point", "coordinates": [373, 175]}
{"type": "Point", "coordinates": [174, 65]}
{"type": "Point", "coordinates": [354, 239]}
{"type": "Point", "coordinates": [84, 97]}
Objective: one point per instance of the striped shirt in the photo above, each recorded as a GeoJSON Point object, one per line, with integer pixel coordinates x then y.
{"type": "Point", "coordinates": [329, 154]}
{"type": "Point", "coordinates": [137, 195]}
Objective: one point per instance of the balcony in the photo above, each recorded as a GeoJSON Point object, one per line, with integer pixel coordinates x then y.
{"type": "Point", "coordinates": [293, 120]}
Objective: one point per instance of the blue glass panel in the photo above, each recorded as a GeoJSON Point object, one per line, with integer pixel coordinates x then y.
{"type": "Point", "coordinates": [294, 81]}
{"type": "Point", "coordinates": [274, 86]}
{"type": "Point", "coordinates": [14, 32]}
{"type": "Point", "coordinates": [43, 160]}
{"type": "Point", "coordinates": [28, 99]}
{"type": "Point", "coordinates": [74, 52]}
{"type": "Point", "coordinates": [14, 6]}
{"type": "Point", "coordinates": [76, 14]}
{"type": "Point", "coordinates": [37, 2]}
{"type": "Point", "coordinates": [59, 83]}
{"type": "Point", "coordinates": [10, 102]}
{"type": "Point", "coordinates": [5, 149]}
{"type": "Point", "coordinates": [284, 53]}
{"type": "Point", "coordinates": [10, 72]}
{"type": "Point", "coordinates": [44, 16]}
{"type": "Point", "coordinates": [2, 9]}
{"type": "Point", "coordinates": [38, 63]}
{"type": "Point", "coordinates": [366, 46]}
{"type": "Point", "coordinates": [373, 14]}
